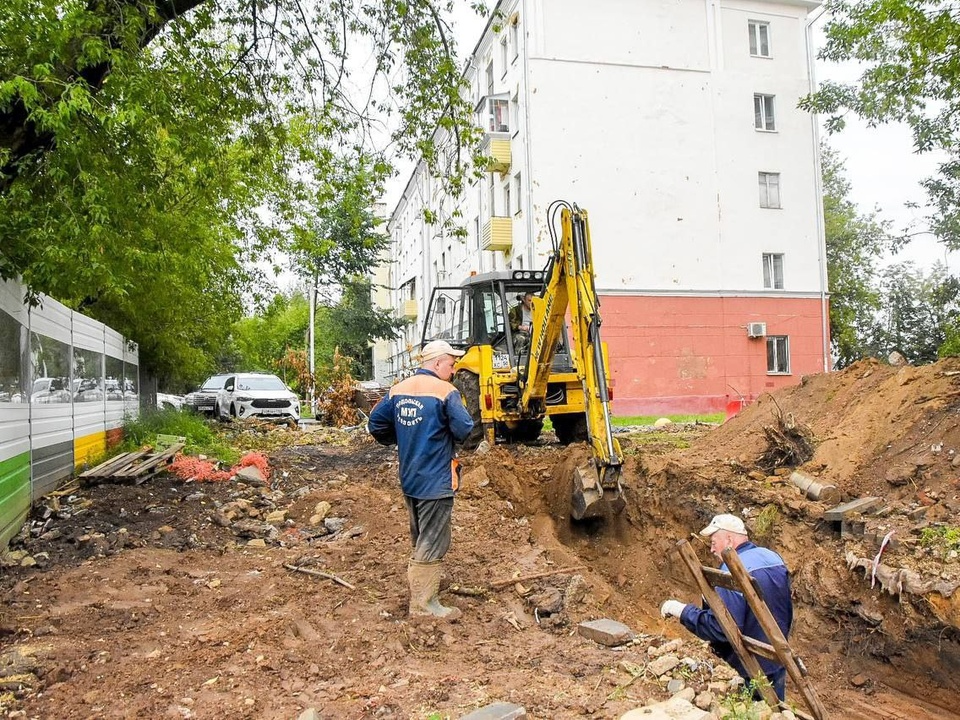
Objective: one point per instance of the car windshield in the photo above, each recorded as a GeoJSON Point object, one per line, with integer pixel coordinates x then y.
{"type": "Point", "coordinates": [266, 382]}
{"type": "Point", "coordinates": [214, 383]}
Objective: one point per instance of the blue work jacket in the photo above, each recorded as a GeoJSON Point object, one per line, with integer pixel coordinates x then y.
{"type": "Point", "coordinates": [770, 572]}
{"type": "Point", "coordinates": [423, 415]}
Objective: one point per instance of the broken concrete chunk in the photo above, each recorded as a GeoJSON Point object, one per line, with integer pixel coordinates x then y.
{"type": "Point", "coordinates": [497, 711]}
{"type": "Point", "coordinates": [860, 505]}
{"type": "Point", "coordinates": [251, 476]}
{"type": "Point", "coordinates": [320, 512]}
{"type": "Point", "coordinates": [675, 708]}
{"type": "Point", "coordinates": [663, 665]}
{"type": "Point", "coordinates": [309, 714]}
{"type": "Point", "coordinates": [667, 647]}
{"type": "Point", "coordinates": [605, 632]}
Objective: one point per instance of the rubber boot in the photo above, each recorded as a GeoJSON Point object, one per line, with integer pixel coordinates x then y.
{"type": "Point", "coordinates": [424, 579]}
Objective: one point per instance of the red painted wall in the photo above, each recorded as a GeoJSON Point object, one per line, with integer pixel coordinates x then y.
{"type": "Point", "coordinates": [671, 355]}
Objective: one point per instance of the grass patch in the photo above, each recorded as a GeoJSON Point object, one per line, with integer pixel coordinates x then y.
{"type": "Point", "coordinates": [625, 420]}
{"type": "Point", "coordinates": [201, 438]}
{"type": "Point", "coordinates": [941, 539]}
{"type": "Point", "coordinates": [766, 520]}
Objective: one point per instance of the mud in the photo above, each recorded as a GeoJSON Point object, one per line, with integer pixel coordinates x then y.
{"type": "Point", "coordinates": [159, 601]}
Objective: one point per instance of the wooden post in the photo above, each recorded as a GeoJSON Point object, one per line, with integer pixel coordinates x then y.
{"type": "Point", "coordinates": [729, 625]}
{"type": "Point", "coordinates": [773, 633]}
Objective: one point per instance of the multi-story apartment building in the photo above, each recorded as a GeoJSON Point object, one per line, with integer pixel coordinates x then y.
{"type": "Point", "coordinates": [675, 124]}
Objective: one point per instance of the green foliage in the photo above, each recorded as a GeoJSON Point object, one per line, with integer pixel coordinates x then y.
{"type": "Point", "coordinates": [918, 309]}
{"type": "Point", "coordinates": [942, 539]}
{"type": "Point", "coordinates": [201, 439]}
{"type": "Point", "coordinates": [155, 154]}
{"type": "Point", "coordinates": [354, 322]}
{"type": "Point", "coordinates": [766, 521]}
{"type": "Point", "coordinates": [854, 243]}
{"type": "Point", "coordinates": [907, 52]}
{"type": "Point", "coordinates": [740, 705]}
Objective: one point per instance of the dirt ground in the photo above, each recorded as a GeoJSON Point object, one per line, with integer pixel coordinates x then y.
{"type": "Point", "coordinates": [175, 599]}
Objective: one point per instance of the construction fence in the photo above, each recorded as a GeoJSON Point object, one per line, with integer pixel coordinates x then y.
{"type": "Point", "coordinates": [66, 384]}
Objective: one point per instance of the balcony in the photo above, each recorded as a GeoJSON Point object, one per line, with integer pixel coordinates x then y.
{"type": "Point", "coordinates": [497, 151]}
{"type": "Point", "coordinates": [410, 309]}
{"type": "Point", "coordinates": [497, 234]}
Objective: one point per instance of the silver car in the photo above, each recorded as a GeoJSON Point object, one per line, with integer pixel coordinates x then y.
{"type": "Point", "coordinates": [257, 395]}
{"type": "Point", "coordinates": [204, 400]}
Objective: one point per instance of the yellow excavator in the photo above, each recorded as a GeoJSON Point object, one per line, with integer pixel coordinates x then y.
{"type": "Point", "coordinates": [515, 374]}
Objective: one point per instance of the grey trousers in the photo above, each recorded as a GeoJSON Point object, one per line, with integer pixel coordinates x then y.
{"type": "Point", "coordinates": [429, 527]}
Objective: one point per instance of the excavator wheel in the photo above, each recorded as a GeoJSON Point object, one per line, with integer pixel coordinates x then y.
{"type": "Point", "coordinates": [570, 427]}
{"type": "Point", "coordinates": [468, 384]}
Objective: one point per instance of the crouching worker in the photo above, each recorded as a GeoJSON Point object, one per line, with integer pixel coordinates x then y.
{"type": "Point", "coordinates": [424, 415]}
{"type": "Point", "coordinates": [770, 572]}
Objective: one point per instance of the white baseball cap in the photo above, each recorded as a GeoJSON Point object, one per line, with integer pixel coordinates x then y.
{"type": "Point", "coordinates": [436, 348]}
{"type": "Point", "coordinates": [731, 523]}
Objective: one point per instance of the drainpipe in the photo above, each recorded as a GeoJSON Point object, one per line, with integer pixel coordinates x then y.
{"type": "Point", "coordinates": [818, 187]}
{"type": "Point", "coordinates": [528, 154]}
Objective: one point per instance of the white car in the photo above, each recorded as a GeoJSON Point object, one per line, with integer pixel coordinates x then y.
{"type": "Point", "coordinates": [257, 395]}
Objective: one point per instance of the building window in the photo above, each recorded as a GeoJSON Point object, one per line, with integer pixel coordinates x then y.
{"type": "Point", "coordinates": [517, 187]}
{"type": "Point", "coordinates": [759, 38]}
{"type": "Point", "coordinates": [763, 113]}
{"type": "Point", "coordinates": [504, 59]}
{"type": "Point", "coordinates": [769, 190]}
{"type": "Point", "coordinates": [773, 271]}
{"type": "Point", "coordinates": [515, 36]}
{"type": "Point", "coordinates": [490, 78]}
{"type": "Point", "coordinates": [491, 194]}
{"type": "Point", "coordinates": [506, 199]}
{"type": "Point", "coordinates": [778, 355]}
{"type": "Point", "coordinates": [499, 114]}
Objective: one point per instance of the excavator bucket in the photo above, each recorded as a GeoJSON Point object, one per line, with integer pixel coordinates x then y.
{"type": "Point", "coordinates": [590, 498]}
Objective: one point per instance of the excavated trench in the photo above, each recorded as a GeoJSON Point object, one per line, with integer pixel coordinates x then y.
{"type": "Point", "coordinates": [870, 654]}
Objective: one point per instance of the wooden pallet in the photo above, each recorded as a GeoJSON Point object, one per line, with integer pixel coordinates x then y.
{"type": "Point", "coordinates": [747, 648]}
{"type": "Point", "coordinates": [132, 467]}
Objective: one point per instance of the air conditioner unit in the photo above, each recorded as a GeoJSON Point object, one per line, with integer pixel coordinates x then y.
{"type": "Point", "coordinates": [756, 329]}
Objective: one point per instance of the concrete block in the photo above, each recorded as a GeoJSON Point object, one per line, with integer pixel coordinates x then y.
{"type": "Point", "coordinates": [860, 505]}
{"type": "Point", "coordinates": [606, 632]}
{"type": "Point", "coordinates": [497, 711]}
{"type": "Point", "coordinates": [675, 708]}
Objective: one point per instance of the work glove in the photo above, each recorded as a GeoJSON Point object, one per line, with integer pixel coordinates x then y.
{"type": "Point", "coordinates": [672, 607]}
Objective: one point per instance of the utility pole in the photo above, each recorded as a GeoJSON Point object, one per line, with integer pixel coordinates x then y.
{"type": "Point", "coordinates": [312, 302]}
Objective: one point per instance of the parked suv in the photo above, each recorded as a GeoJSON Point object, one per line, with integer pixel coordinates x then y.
{"type": "Point", "coordinates": [204, 400]}
{"type": "Point", "coordinates": [257, 395]}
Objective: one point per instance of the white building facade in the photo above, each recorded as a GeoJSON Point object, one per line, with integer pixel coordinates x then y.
{"type": "Point", "coordinates": [675, 125]}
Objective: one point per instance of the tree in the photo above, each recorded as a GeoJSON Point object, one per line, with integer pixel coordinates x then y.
{"type": "Point", "coordinates": [854, 244]}
{"type": "Point", "coordinates": [153, 151]}
{"type": "Point", "coordinates": [918, 310]}
{"type": "Point", "coordinates": [354, 322]}
{"type": "Point", "coordinates": [911, 61]}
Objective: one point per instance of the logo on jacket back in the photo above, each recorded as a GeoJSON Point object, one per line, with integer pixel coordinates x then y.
{"type": "Point", "coordinates": [408, 411]}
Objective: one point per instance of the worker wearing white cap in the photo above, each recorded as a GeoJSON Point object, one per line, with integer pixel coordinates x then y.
{"type": "Point", "coordinates": [424, 415]}
{"type": "Point", "coordinates": [770, 572]}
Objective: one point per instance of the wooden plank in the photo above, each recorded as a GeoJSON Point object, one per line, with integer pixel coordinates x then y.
{"type": "Point", "coordinates": [150, 462]}
{"type": "Point", "coordinates": [860, 505]}
{"type": "Point", "coordinates": [104, 465]}
{"type": "Point", "coordinates": [114, 465]}
{"type": "Point", "coordinates": [774, 635]}
{"type": "Point", "coordinates": [761, 649]}
{"type": "Point", "coordinates": [718, 578]}
{"type": "Point", "coordinates": [730, 628]}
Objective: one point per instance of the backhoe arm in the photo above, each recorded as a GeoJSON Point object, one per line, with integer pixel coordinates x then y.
{"type": "Point", "coordinates": [570, 285]}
